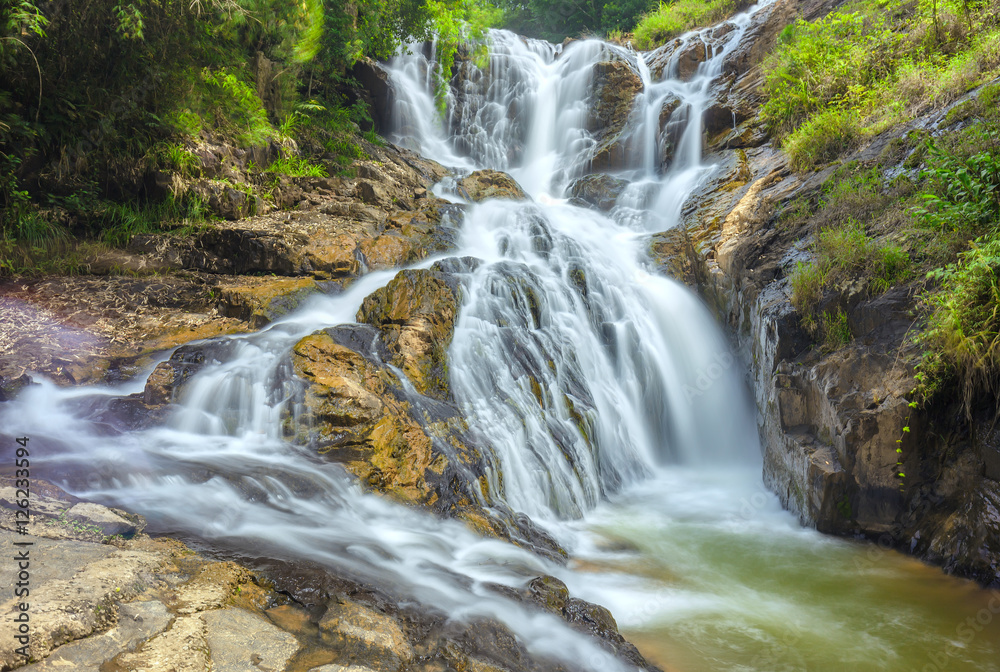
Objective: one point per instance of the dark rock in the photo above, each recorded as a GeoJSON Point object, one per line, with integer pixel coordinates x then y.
{"type": "Point", "coordinates": [10, 386]}
{"type": "Point", "coordinates": [376, 91]}
{"type": "Point", "coordinates": [598, 190]}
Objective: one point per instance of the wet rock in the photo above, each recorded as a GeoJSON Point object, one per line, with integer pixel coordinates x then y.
{"type": "Point", "coordinates": [354, 413]}
{"type": "Point", "coordinates": [362, 634]}
{"type": "Point", "coordinates": [691, 55]}
{"type": "Point", "coordinates": [259, 644]}
{"type": "Point", "coordinates": [484, 184]}
{"type": "Point", "coordinates": [598, 190]}
{"type": "Point", "coordinates": [376, 91]}
{"type": "Point", "coordinates": [416, 314]}
{"type": "Point", "coordinates": [760, 37]}
{"type": "Point", "coordinates": [259, 301]}
{"type": "Point", "coordinates": [553, 596]}
{"type": "Point", "coordinates": [615, 86]}
{"type": "Point", "coordinates": [11, 386]}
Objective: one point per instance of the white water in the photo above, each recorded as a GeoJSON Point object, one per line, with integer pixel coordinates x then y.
{"type": "Point", "coordinates": [640, 435]}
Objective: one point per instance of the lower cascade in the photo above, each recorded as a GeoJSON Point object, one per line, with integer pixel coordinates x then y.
{"type": "Point", "coordinates": [591, 405]}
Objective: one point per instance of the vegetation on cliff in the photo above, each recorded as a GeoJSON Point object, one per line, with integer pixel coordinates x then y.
{"type": "Point", "coordinates": [927, 209]}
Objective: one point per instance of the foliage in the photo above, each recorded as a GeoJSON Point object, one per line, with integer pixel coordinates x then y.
{"type": "Point", "coordinates": [822, 138]}
{"type": "Point", "coordinates": [836, 330]}
{"type": "Point", "coordinates": [296, 167]}
{"type": "Point", "coordinates": [964, 193]}
{"type": "Point", "coordinates": [673, 18]}
{"type": "Point", "coordinates": [872, 66]}
{"type": "Point", "coordinates": [962, 339]}
{"type": "Point", "coordinates": [844, 253]}
{"type": "Point", "coordinates": [456, 22]}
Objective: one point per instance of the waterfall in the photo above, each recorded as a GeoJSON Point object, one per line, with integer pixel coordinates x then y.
{"type": "Point", "coordinates": [587, 372]}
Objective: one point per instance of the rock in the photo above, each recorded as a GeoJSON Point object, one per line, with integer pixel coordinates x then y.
{"type": "Point", "coordinates": [11, 386]}
{"type": "Point", "coordinates": [598, 190]}
{"type": "Point", "coordinates": [689, 57]}
{"type": "Point", "coordinates": [615, 86]}
{"type": "Point", "coordinates": [376, 91]}
{"type": "Point", "coordinates": [137, 621]}
{"type": "Point", "coordinates": [182, 648]}
{"type": "Point", "coordinates": [552, 595]}
{"type": "Point", "coordinates": [63, 519]}
{"type": "Point", "coordinates": [415, 314]}
{"type": "Point", "coordinates": [760, 37]}
{"type": "Point", "coordinates": [484, 184]}
{"type": "Point", "coordinates": [352, 413]}
{"type": "Point", "coordinates": [259, 301]}
{"type": "Point", "coordinates": [362, 634]}
{"type": "Point", "coordinates": [258, 645]}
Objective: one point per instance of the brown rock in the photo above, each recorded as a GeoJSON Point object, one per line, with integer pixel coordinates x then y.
{"type": "Point", "coordinates": [416, 314]}
{"type": "Point", "coordinates": [484, 184]}
{"type": "Point", "coordinates": [616, 84]}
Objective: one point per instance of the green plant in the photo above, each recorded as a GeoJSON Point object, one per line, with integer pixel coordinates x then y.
{"type": "Point", "coordinates": [672, 18]}
{"type": "Point", "coordinates": [807, 282]}
{"type": "Point", "coordinates": [965, 193]}
{"type": "Point", "coordinates": [962, 339]}
{"type": "Point", "coordinates": [238, 107]}
{"type": "Point", "coordinates": [823, 138]}
{"type": "Point", "coordinates": [296, 166]}
{"type": "Point", "coordinates": [836, 330]}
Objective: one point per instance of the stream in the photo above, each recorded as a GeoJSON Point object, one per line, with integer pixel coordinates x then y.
{"type": "Point", "coordinates": [649, 474]}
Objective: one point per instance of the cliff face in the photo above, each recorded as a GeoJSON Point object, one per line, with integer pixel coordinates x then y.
{"type": "Point", "coordinates": [832, 416]}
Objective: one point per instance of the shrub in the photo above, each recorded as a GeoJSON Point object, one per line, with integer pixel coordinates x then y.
{"type": "Point", "coordinates": [836, 331]}
{"type": "Point", "coordinates": [296, 166]}
{"type": "Point", "coordinates": [964, 193]}
{"type": "Point", "coordinates": [847, 252]}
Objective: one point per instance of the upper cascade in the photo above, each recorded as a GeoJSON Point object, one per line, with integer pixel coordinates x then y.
{"type": "Point", "coordinates": [585, 371]}
{"type": "Point", "coordinates": [550, 114]}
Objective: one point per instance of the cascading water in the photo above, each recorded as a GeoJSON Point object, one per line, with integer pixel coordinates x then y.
{"type": "Point", "coordinates": [613, 408]}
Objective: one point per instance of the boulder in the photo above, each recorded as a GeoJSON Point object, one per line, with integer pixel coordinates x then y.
{"type": "Point", "coordinates": [484, 184]}
{"type": "Point", "coordinates": [598, 190]}
{"type": "Point", "coordinates": [415, 314]}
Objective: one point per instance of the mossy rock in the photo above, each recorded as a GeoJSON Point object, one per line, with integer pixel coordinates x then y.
{"type": "Point", "coordinates": [484, 184]}
{"type": "Point", "coordinates": [415, 314]}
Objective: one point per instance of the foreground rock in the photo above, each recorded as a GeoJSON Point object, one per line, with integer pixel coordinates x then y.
{"type": "Point", "coordinates": [124, 601]}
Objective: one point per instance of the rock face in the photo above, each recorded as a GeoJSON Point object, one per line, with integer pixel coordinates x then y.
{"type": "Point", "coordinates": [598, 190]}
{"type": "Point", "coordinates": [376, 91]}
